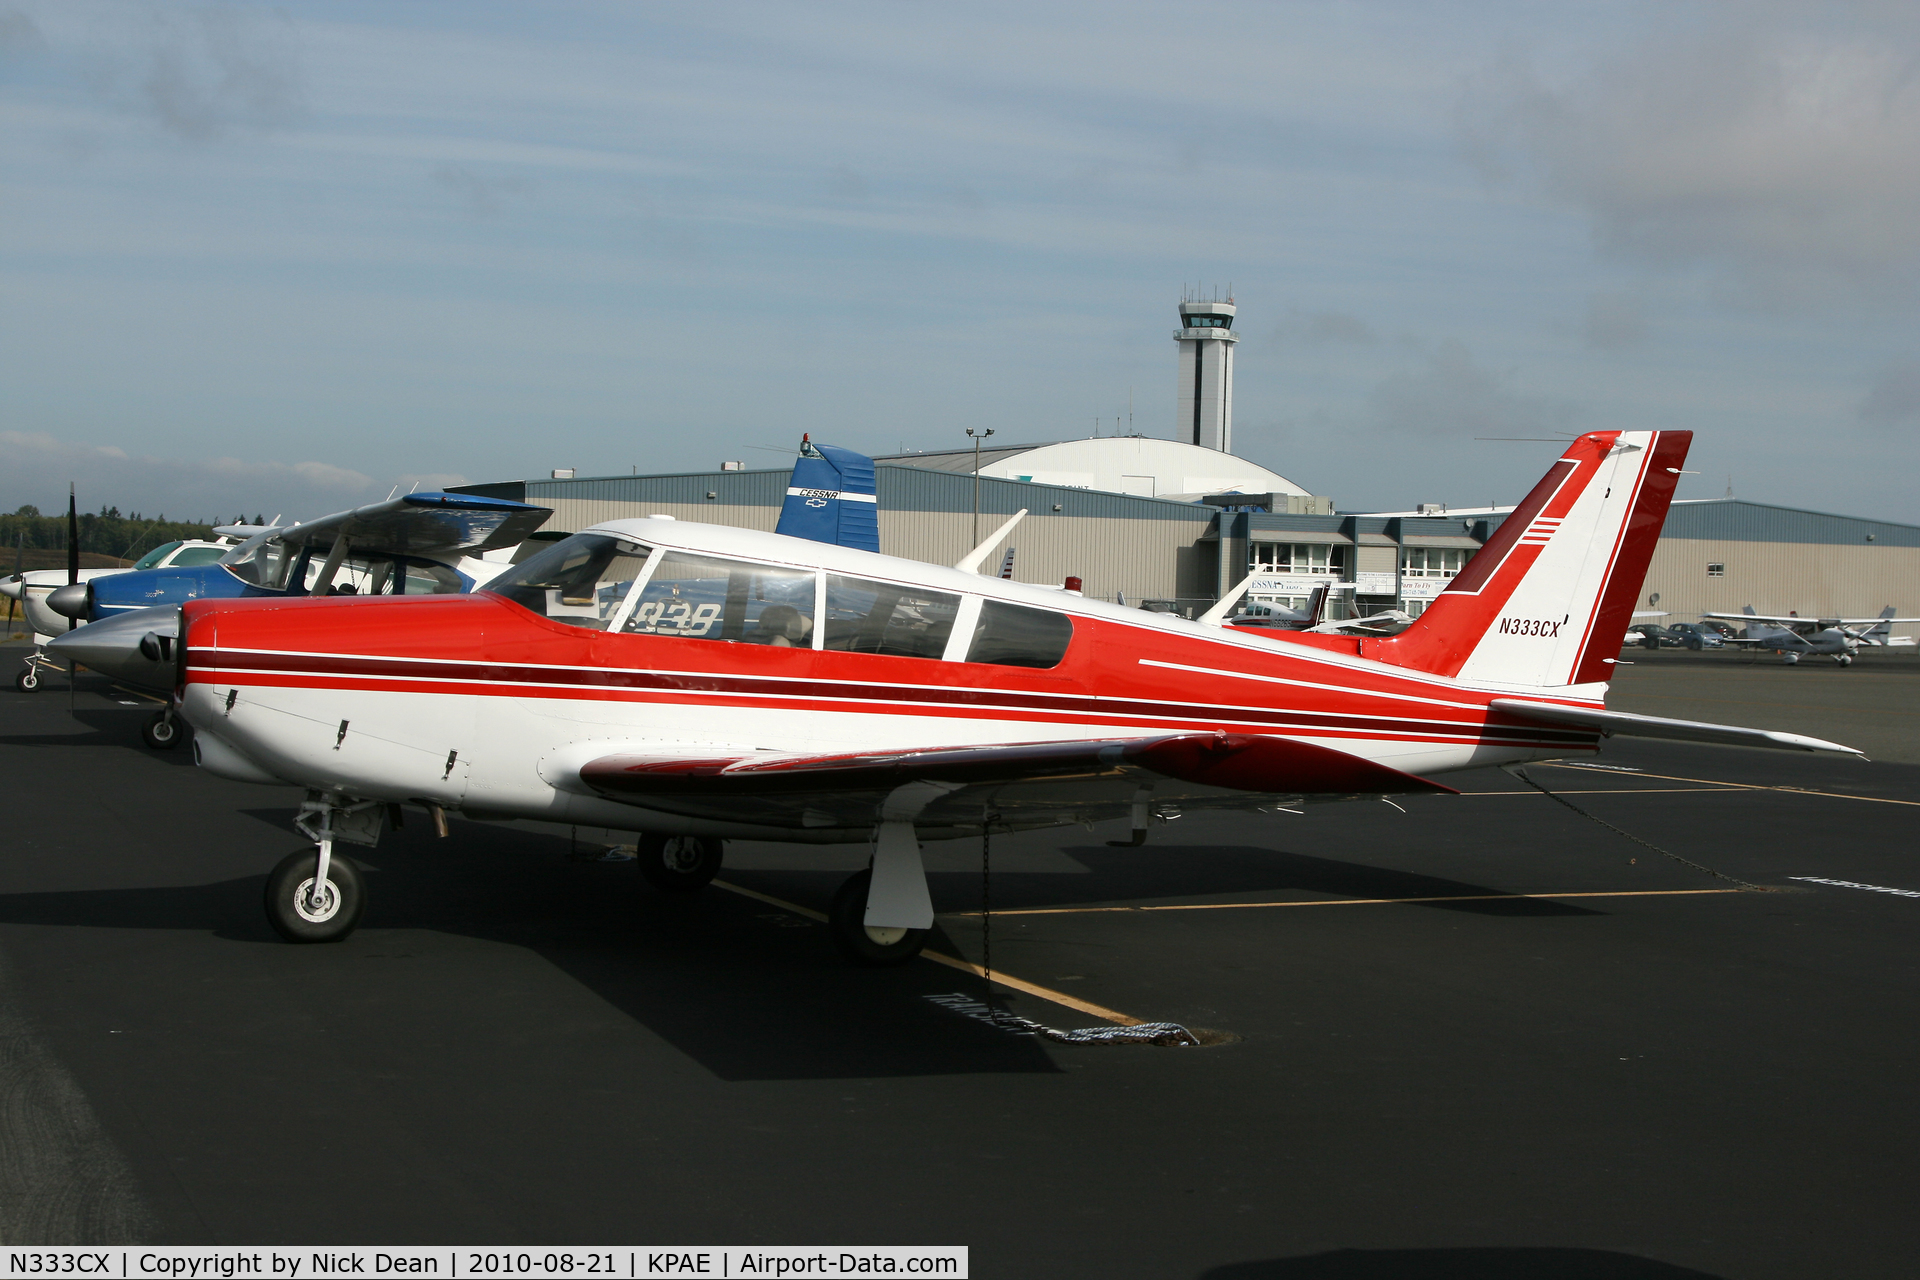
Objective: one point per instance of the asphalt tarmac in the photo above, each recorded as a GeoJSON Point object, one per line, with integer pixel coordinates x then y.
{"type": "Point", "coordinates": [1555, 1053]}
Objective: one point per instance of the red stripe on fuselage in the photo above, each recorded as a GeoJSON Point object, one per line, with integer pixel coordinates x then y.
{"type": "Point", "coordinates": [484, 646]}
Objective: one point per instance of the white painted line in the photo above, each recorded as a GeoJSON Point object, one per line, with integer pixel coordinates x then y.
{"type": "Point", "coordinates": [1855, 884]}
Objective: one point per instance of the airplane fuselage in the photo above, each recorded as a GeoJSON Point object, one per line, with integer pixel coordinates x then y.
{"type": "Point", "coordinates": [478, 704]}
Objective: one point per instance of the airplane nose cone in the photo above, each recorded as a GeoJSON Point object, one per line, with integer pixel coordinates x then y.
{"type": "Point", "coordinates": [13, 587]}
{"type": "Point", "coordinates": [134, 649]}
{"type": "Point", "coordinates": [70, 601]}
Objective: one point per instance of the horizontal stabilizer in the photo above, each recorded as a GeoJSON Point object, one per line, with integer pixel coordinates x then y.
{"type": "Point", "coordinates": [1632, 726]}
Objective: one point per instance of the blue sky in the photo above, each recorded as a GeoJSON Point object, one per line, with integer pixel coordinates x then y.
{"type": "Point", "coordinates": [280, 258]}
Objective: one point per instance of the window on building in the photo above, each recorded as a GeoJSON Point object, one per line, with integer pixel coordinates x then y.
{"type": "Point", "coordinates": [1013, 635]}
{"type": "Point", "coordinates": [707, 598]}
{"type": "Point", "coordinates": [884, 618]}
{"type": "Point", "coordinates": [1432, 562]}
{"type": "Point", "coordinates": [580, 581]}
{"type": "Point", "coordinates": [1296, 557]}
{"type": "Point", "coordinates": [1715, 569]}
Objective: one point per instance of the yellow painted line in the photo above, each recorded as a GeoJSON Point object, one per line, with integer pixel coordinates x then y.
{"type": "Point", "coordinates": [1060, 998]}
{"type": "Point", "coordinates": [1045, 993]}
{"type": "Point", "coordinates": [815, 916]}
{"type": "Point", "coordinates": [1351, 902]}
{"type": "Point", "coordinates": [1749, 786]}
{"type": "Point", "coordinates": [1617, 791]}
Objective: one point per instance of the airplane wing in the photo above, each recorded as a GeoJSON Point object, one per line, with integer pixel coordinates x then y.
{"type": "Point", "coordinates": [426, 524]}
{"type": "Point", "coordinates": [1787, 620]}
{"type": "Point", "coordinates": [1633, 726]}
{"type": "Point", "coordinates": [1035, 783]}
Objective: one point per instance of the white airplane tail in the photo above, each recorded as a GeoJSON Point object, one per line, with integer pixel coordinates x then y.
{"type": "Point", "coordinates": [1546, 602]}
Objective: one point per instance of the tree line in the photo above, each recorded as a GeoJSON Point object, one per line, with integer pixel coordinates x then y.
{"type": "Point", "coordinates": [105, 532]}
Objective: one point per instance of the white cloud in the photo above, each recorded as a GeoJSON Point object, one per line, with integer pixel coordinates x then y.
{"type": "Point", "coordinates": [1453, 396]}
{"type": "Point", "coordinates": [38, 468]}
{"type": "Point", "coordinates": [1780, 153]}
{"type": "Point", "coordinates": [1895, 396]}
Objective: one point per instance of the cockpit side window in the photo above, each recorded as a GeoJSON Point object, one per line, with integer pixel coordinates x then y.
{"type": "Point", "coordinates": [1013, 635]}
{"type": "Point", "coordinates": [262, 560]}
{"type": "Point", "coordinates": [580, 581]}
{"type": "Point", "coordinates": [697, 597]}
{"type": "Point", "coordinates": [885, 618]}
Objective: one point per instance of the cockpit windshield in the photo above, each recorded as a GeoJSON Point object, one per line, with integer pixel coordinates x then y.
{"type": "Point", "coordinates": [580, 581]}
{"type": "Point", "coordinates": [154, 556]}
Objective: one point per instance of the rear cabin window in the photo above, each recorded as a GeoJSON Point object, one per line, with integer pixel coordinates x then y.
{"type": "Point", "coordinates": [580, 581]}
{"type": "Point", "coordinates": [707, 598]}
{"type": "Point", "coordinates": [885, 618]}
{"type": "Point", "coordinates": [1013, 635]}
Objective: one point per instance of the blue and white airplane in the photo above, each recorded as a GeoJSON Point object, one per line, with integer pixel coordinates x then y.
{"type": "Point", "coordinates": [419, 544]}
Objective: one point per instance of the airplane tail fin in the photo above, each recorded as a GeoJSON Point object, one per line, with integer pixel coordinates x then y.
{"type": "Point", "coordinates": [1547, 600]}
{"type": "Point", "coordinates": [831, 498]}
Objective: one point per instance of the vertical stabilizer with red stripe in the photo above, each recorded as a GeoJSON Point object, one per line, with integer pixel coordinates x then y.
{"type": "Point", "coordinates": [1550, 595]}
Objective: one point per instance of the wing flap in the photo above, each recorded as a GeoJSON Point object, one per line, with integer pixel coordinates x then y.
{"type": "Point", "coordinates": [1634, 726]}
{"type": "Point", "coordinates": [1240, 762]}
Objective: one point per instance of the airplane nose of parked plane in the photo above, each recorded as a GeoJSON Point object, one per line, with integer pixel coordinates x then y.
{"type": "Point", "coordinates": [133, 649]}
{"type": "Point", "coordinates": [70, 601]}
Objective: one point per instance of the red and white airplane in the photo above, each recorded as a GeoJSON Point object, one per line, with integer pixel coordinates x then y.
{"type": "Point", "coordinates": [697, 683]}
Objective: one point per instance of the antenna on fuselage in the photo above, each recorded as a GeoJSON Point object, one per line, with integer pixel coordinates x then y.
{"type": "Point", "coordinates": [971, 562]}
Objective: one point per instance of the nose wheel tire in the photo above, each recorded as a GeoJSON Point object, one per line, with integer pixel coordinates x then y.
{"type": "Point", "coordinates": [679, 864]}
{"type": "Point", "coordinates": [162, 732]}
{"type": "Point", "coordinates": [873, 948]}
{"type": "Point", "coordinates": [27, 681]}
{"type": "Point", "coordinates": [298, 915]}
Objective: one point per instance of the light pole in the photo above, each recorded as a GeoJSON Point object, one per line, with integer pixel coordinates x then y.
{"type": "Point", "coordinates": [978, 438]}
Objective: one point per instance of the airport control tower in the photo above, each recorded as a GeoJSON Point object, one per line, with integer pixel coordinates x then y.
{"type": "Point", "coordinates": [1206, 340]}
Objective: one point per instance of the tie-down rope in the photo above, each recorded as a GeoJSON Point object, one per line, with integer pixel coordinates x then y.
{"type": "Point", "coordinates": [1520, 773]}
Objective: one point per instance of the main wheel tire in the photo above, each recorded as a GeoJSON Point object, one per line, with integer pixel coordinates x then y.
{"type": "Point", "coordinates": [27, 681]}
{"type": "Point", "coordinates": [296, 919]}
{"type": "Point", "coordinates": [162, 732]}
{"type": "Point", "coordinates": [875, 948]}
{"type": "Point", "coordinates": [679, 864]}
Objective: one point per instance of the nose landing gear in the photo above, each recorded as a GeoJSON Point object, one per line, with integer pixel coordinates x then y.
{"type": "Point", "coordinates": [162, 732]}
{"type": "Point", "coordinates": [315, 895]}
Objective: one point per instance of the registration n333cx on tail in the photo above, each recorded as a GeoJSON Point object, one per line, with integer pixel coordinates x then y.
{"type": "Point", "coordinates": [696, 683]}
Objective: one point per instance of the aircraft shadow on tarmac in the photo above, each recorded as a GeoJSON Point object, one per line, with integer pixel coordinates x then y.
{"type": "Point", "coordinates": [747, 990]}
{"type": "Point", "coordinates": [106, 728]}
{"type": "Point", "coordinates": [1458, 1264]}
{"type": "Point", "coordinates": [1125, 877]}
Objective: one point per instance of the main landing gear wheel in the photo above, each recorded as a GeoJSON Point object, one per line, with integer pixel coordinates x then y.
{"type": "Point", "coordinates": [27, 681]}
{"type": "Point", "coordinates": [679, 864]}
{"type": "Point", "coordinates": [162, 733]}
{"type": "Point", "coordinates": [875, 948]}
{"type": "Point", "coordinates": [1845, 659]}
{"type": "Point", "coordinates": [294, 911]}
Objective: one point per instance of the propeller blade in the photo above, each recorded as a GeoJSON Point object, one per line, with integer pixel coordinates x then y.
{"type": "Point", "coordinates": [73, 539]}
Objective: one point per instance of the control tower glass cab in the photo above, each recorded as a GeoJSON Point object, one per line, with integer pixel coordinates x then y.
{"type": "Point", "coordinates": [1206, 339]}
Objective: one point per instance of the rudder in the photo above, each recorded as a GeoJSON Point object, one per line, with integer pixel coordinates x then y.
{"type": "Point", "coordinates": [1547, 600]}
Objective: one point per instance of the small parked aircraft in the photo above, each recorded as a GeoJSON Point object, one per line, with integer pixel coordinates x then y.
{"type": "Point", "coordinates": [697, 683]}
{"type": "Point", "coordinates": [1793, 636]}
{"type": "Point", "coordinates": [418, 544]}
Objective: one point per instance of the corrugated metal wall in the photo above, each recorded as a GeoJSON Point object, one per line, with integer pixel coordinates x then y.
{"type": "Point", "coordinates": [1853, 581]}
{"type": "Point", "coordinates": [1143, 548]}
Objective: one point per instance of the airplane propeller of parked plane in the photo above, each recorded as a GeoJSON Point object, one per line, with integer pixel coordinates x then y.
{"type": "Point", "coordinates": [418, 544]}
{"type": "Point", "coordinates": [696, 683]}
